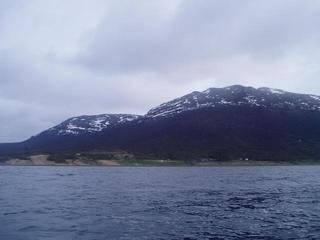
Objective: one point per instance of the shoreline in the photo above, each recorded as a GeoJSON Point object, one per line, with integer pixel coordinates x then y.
{"type": "Point", "coordinates": [164, 164]}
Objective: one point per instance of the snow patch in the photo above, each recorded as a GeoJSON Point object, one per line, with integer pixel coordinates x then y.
{"type": "Point", "coordinates": [315, 97]}
{"type": "Point", "coordinates": [276, 91]}
{"type": "Point", "coordinates": [90, 124]}
{"type": "Point", "coordinates": [252, 100]}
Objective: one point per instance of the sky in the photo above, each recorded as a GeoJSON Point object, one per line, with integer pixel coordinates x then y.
{"type": "Point", "coordinates": [60, 59]}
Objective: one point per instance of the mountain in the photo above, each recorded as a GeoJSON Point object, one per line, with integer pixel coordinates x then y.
{"type": "Point", "coordinates": [70, 134]}
{"type": "Point", "coordinates": [88, 124]}
{"type": "Point", "coordinates": [237, 96]}
{"type": "Point", "coordinates": [217, 124]}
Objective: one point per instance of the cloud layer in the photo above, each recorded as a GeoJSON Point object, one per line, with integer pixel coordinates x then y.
{"type": "Point", "coordinates": [60, 59]}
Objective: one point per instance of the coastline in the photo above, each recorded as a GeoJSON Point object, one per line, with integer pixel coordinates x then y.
{"type": "Point", "coordinates": [154, 163]}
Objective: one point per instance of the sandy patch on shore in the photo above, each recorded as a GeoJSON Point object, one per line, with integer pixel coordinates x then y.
{"type": "Point", "coordinates": [34, 160]}
{"type": "Point", "coordinates": [41, 160]}
{"type": "Point", "coordinates": [107, 163]}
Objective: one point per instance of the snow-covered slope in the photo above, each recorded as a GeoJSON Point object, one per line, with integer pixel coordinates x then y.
{"type": "Point", "coordinates": [229, 96]}
{"type": "Point", "coordinates": [89, 124]}
{"type": "Point", "coordinates": [237, 95]}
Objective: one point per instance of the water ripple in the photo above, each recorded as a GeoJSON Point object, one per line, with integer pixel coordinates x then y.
{"type": "Point", "coordinates": [159, 203]}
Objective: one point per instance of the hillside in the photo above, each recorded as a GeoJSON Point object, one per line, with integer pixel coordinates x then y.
{"type": "Point", "coordinates": [235, 122]}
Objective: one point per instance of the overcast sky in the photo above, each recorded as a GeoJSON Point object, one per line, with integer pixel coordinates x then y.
{"type": "Point", "coordinates": [62, 58]}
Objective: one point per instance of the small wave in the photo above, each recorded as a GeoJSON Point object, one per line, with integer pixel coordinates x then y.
{"type": "Point", "coordinates": [14, 213]}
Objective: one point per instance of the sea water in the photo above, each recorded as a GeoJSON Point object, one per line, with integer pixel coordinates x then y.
{"type": "Point", "coordinates": [278, 202]}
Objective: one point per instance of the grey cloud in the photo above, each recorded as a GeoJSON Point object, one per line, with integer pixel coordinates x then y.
{"type": "Point", "coordinates": [141, 37]}
{"type": "Point", "coordinates": [9, 5]}
{"type": "Point", "coordinates": [20, 120]}
{"type": "Point", "coordinates": [35, 95]}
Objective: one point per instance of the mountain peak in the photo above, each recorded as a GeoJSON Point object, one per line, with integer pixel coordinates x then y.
{"type": "Point", "coordinates": [235, 87]}
{"type": "Point", "coordinates": [237, 95]}
{"type": "Point", "coordinates": [90, 123]}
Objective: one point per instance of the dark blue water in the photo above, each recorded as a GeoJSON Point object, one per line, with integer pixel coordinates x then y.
{"type": "Point", "coordinates": [159, 203]}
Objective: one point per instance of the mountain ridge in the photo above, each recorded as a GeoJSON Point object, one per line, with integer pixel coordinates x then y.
{"type": "Point", "coordinates": [218, 123]}
{"type": "Point", "coordinates": [191, 102]}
